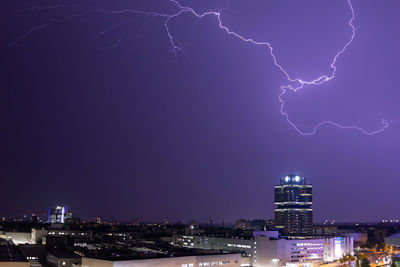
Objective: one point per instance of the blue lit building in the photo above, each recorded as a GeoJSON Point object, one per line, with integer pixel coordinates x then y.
{"type": "Point", "coordinates": [59, 214]}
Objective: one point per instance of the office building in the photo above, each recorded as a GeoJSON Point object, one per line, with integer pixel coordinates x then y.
{"type": "Point", "coordinates": [266, 248]}
{"type": "Point", "coordinates": [59, 214]}
{"type": "Point", "coordinates": [293, 206]}
{"type": "Point", "coordinates": [226, 260]}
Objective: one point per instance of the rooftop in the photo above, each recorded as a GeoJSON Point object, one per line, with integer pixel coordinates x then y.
{"type": "Point", "coordinates": [63, 254]}
{"type": "Point", "coordinates": [11, 253]}
{"type": "Point", "coordinates": [394, 236]}
{"type": "Point", "coordinates": [188, 254]}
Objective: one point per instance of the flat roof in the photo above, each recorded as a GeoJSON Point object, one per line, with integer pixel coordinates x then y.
{"type": "Point", "coordinates": [11, 253]}
{"type": "Point", "coordinates": [63, 254]}
{"type": "Point", "coordinates": [127, 258]}
{"type": "Point", "coordinates": [395, 236]}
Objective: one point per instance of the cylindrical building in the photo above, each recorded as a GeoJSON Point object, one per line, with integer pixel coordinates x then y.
{"type": "Point", "coordinates": [293, 205]}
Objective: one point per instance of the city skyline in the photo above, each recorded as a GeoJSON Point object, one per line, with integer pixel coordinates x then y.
{"type": "Point", "coordinates": [296, 190]}
{"type": "Point", "coordinates": [100, 114]}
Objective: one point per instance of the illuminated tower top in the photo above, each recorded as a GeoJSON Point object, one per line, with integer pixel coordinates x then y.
{"type": "Point", "coordinates": [293, 179]}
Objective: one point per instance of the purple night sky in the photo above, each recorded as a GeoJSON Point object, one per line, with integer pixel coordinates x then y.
{"type": "Point", "coordinates": [99, 113]}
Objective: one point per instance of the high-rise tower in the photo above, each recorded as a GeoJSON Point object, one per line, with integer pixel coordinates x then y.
{"type": "Point", "coordinates": [59, 214]}
{"type": "Point", "coordinates": [293, 205]}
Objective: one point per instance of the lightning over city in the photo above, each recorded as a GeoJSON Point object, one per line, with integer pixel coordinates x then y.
{"type": "Point", "coordinates": [294, 83]}
{"type": "Point", "coordinates": [185, 133]}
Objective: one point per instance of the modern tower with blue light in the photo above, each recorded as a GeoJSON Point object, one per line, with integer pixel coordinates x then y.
{"type": "Point", "coordinates": [293, 205]}
{"type": "Point", "coordinates": [59, 214]}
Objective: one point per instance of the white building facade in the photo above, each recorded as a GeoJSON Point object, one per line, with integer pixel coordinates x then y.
{"type": "Point", "coordinates": [300, 252]}
{"type": "Point", "coordinates": [264, 251]}
{"type": "Point", "coordinates": [224, 260]}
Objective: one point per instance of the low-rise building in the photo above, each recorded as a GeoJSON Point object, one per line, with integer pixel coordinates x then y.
{"type": "Point", "coordinates": [63, 259]}
{"type": "Point", "coordinates": [11, 256]}
{"type": "Point", "coordinates": [267, 249]}
{"type": "Point", "coordinates": [224, 260]}
{"type": "Point", "coordinates": [393, 240]}
{"type": "Point", "coordinates": [38, 236]}
{"type": "Point", "coordinates": [17, 237]}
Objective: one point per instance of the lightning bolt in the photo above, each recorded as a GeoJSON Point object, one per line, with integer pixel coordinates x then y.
{"type": "Point", "coordinates": [295, 84]}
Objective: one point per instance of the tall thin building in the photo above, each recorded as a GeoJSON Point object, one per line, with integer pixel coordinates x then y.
{"type": "Point", "coordinates": [293, 205]}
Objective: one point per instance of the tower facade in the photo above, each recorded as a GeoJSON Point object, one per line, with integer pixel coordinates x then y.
{"type": "Point", "coordinates": [293, 205]}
